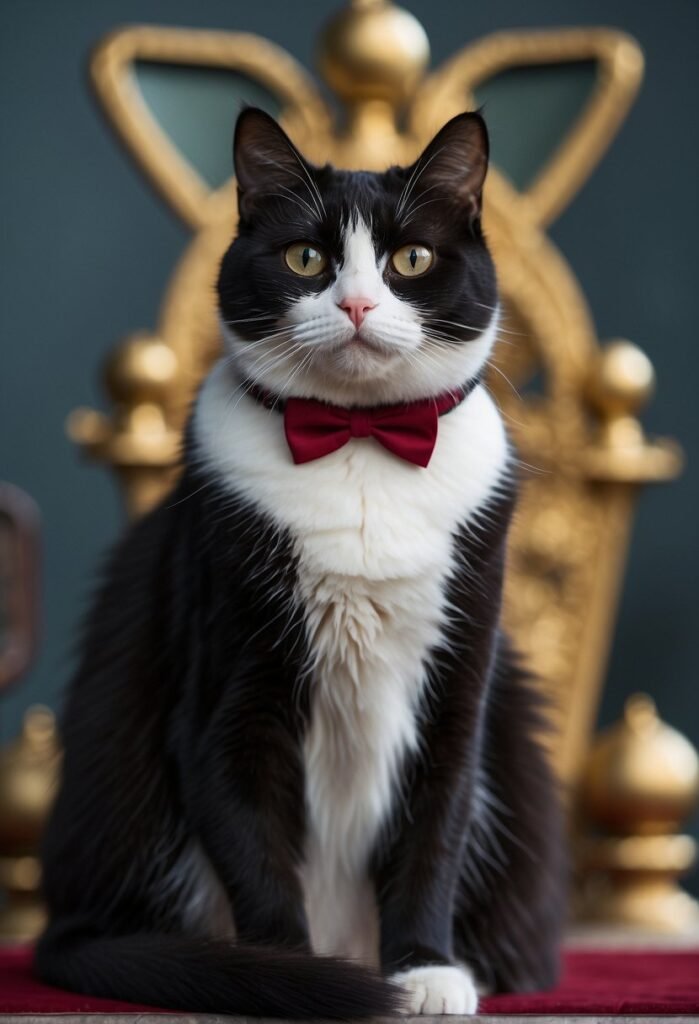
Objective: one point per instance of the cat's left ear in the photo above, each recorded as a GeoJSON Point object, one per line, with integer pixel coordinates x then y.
{"type": "Point", "coordinates": [455, 163]}
{"type": "Point", "coordinates": [266, 160]}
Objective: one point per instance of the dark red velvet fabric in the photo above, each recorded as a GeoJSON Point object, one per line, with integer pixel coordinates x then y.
{"type": "Point", "coordinates": [645, 982]}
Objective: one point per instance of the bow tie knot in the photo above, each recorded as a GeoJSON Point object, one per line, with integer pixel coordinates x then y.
{"type": "Point", "coordinates": [360, 422]}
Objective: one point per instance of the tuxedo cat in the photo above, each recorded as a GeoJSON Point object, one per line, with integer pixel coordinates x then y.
{"type": "Point", "coordinates": [302, 774]}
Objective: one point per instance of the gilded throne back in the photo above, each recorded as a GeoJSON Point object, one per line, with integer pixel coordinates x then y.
{"type": "Point", "coordinates": [570, 405]}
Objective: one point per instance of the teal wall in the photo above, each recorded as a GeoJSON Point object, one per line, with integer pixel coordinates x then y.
{"type": "Point", "coordinates": [86, 250]}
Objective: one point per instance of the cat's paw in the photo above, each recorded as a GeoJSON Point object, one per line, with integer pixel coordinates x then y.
{"type": "Point", "coordinates": [435, 990]}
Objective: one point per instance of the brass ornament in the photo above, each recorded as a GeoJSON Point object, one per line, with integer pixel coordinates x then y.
{"type": "Point", "coordinates": [28, 775]}
{"type": "Point", "coordinates": [582, 447]}
{"type": "Point", "coordinates": [640, 783]}
{"type": "Point", "coordinates": [620, 382]}
{"type": "Point", "coordinates": [140, 441]}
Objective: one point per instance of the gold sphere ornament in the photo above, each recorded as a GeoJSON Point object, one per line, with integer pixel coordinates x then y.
{"type": "Point", "coordinates": [640, 784]}
{"type": "Point", "coordinates": [620, 382]}
{"type": "Point", "coordinates": [140, 441]}
{"type": "Point", "coordinates": [374, 51]}
{"type": "Point", "coordinates": [622, 379]}
{"type": "Point", "coordinates": [642, 775]}
{"type": "Point", "coordinates": [142, 369]}
{"type": "Point", "coordinates": [373, 55]}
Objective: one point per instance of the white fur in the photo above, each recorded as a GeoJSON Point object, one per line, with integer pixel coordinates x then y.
{"type": "Point", "coordinates": [373, 536]}
{"type": "Point", "coordinates": [436, 990]}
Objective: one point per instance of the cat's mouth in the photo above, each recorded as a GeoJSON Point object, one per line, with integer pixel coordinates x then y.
{"type": "Point", "coordinates": [360, 358]}
{"type": "Point", "coordinates": [359, 342]}
{"type": "Point", "coordinates": [362, 342]}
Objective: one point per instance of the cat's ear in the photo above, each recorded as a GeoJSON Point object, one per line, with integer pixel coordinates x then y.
{"type": "Point", "coordinates": [455, 163]}
{"type": "Point", "coordinates": [265, 159]}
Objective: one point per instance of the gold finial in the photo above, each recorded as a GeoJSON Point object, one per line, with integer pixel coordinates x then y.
{"type": "Point", "coordinates": [620, 382]}
{"type": "Point", "coordinates": [641, 773]}
{"type": "Point", "coordinates": [641, 783]}
{"type": "Point", "coordinates": [28, 774]}
{"type": "Point", "coordinates": [373, 55]}
{"type": "Point", "coordinates": [141, 370]}
{"type": "Point", "coordinates": [140, 376]}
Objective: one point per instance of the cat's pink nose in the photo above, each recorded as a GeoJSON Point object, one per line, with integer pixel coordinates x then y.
{"type": "Point", "coordinates": [356, 310]}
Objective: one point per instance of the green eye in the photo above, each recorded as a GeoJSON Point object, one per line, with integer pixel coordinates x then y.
{"type": "Point", "coordinates": [303, 259]}
{"type": "Point", "coordinates": [412, 260]}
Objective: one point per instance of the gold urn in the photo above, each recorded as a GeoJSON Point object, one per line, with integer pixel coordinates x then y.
{"type": "Point", "coordinates": [640, 785]}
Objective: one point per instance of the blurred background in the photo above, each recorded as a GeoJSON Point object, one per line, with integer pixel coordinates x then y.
{"type": "Point", "coordinates": [88, 248]}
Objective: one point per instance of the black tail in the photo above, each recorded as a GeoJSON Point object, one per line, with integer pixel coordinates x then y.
{"type": "Point", "coordinates": [180, 973]}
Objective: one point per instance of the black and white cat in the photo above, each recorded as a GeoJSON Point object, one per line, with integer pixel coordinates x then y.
{"type": "Point", "coordinates": [296, 726]}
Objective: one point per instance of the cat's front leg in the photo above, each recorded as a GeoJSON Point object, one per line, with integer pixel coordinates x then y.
{"type": "Point", "coordinates": [248, 804]}
{"type": "Point", "coordinates": [417, 876]}
{"type": "Point", "coordinates": [416, 884]}
{"type": "Point", "coordinates": [417, 952]}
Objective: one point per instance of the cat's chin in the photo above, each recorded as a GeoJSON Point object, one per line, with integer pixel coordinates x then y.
{"type": "Point", "coordinates": [359, 360]}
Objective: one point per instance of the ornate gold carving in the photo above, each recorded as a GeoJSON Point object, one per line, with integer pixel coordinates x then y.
{"type": "Point", "coordinates": [619, 71]}
{"type": "Point", "coordinates": [139, 442]}
{"type": "Point", "coordinates": [583, 450]}
{"type": "Point", "coordinates": [112, 67]}
{"type": "Point", "coordinates": [640, 783]}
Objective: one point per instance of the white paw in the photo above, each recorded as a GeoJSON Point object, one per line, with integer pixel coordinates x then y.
{"type": "Point", "coordinates": [434, 990]}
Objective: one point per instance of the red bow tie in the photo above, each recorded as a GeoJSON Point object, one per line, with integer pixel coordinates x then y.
{"type": "Point", "coordinates": [409, 430]}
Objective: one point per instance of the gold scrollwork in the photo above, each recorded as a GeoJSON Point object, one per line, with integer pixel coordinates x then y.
{"type": "Point", "coordinates": [304, 112]}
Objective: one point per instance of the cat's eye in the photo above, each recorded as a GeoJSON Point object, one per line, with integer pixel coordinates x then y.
{"type": "Point", "coordinates": [304, 259]}
{"type": "Point", "coordinates": [412, 260]}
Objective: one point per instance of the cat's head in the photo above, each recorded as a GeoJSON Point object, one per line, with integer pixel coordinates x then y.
{"type": "Point", "coordinates": [358, 287]}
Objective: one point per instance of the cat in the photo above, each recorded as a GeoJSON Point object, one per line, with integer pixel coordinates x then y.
{"type": "Point", "coordinates": [303, 773]}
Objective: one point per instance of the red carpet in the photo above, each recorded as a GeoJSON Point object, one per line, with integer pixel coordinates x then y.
{"type": "Point", "coordinates": [593, 983]}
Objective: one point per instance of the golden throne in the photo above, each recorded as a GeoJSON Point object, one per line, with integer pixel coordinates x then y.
{"type": "Point", "coordinates": [571, 405]}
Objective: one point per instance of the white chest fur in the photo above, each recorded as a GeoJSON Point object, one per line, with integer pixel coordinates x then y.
{"type": "Point", "coordinates": [373, 537]}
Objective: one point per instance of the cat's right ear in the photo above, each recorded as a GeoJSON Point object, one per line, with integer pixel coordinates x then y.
{"type": "Point", "coordinates": [265, 159]}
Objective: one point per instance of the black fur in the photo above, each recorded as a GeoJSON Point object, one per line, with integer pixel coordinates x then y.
{"type": "Point", "coordinates": [184, 725]}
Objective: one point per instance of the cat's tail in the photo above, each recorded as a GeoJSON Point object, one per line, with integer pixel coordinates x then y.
{"type": "Point", "coordinates": [177, 972]}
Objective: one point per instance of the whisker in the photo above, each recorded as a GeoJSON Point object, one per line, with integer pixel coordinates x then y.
{"type": "Point", "coordinates": [296, 199]}
{"type": "Point", "coordinates": [310, 180]}
{"type": "Point", "coordinates": [504, 376]}
{"type": "Point", "coordinates": [418, 170]}
{"type": "Point", "coordinates": [414, 209]}
{"type": "Point", "coordinates": [248, 319]}
{"type": "Point", "coordinates": [411, 208]}
{"type": "Point", "coordinates": [302, 365]}
{"type": "Point", "coordinates": [275, 163]}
